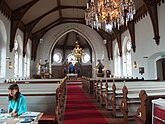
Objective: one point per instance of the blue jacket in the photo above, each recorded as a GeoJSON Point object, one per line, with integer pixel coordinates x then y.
{"type": "Point", "coordinates": [19, 106]}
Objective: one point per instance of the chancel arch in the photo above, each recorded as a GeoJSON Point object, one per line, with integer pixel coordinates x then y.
{"type": "Point", "coordinates": [92, 37]}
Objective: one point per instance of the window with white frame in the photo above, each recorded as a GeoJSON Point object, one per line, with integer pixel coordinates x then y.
{"type": "Point", "coordinates": [85, 58]}
{"type": "Point", "coordinates": [0, 63]}
{"type": "Point", "coordinates": [28, 57]}
{"type": "Point", "coordinates": [25, 66]}
{"type": "Point", "coordinates": [70, 57]}
{"type": "Point", "coordinates": [16, 59]}
{"type": "Point", "coordinates": [117, 61]}
{"type": "Point", "coordinates": [128, 58]}
{"type": "Point", "coordinates": [3, 47]}
{"type": "Point", "coordinates": [57, 57]}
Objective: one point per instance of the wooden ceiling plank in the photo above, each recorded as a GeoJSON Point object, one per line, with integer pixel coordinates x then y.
{"type": "Point", "coordinates": [59, 4]}
{"type": "Point", "coordinates": [1, 2]}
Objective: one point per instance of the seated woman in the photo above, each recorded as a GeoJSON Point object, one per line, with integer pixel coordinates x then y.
{"type": "Point", "coordinates": [17, 102]}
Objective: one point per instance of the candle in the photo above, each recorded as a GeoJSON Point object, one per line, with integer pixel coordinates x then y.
{"type": "Point", "coordinates": [87, 5]}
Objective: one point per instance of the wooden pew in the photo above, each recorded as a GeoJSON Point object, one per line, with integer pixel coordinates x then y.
{"type": "Point", "coordinates": [117, 94]}
{"type": "Point", "coordinates": [92, 82]}
{"type": "Point", "coordinates": [108, 94]}
{"type": "Point", "coordinates": [56, 118]}
{"type": "Point", "coordinates": [144, 112]}
{"type": "Point", "coordinates": [85, 83]}
{"type": "Point", "coordinates": [40, 81]}
{"type": "Point", "coordinates": [131, 101]}
{"type": "Point", "coordinates": [48, 98]}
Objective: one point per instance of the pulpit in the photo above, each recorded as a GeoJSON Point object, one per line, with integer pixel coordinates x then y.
{"type": "Point", "coordinates": [100, 69]}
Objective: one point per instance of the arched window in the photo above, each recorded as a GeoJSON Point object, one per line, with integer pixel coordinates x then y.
{"type": "Point", "coordinates": [28, 58]}
{"type": "Point", "coordinates": [70, 57]}
{"type": "Point", "coordinates": [117, 61]}
{"type": "Point", "coordinates": [85, 58]}
{"type": "Point", "coordinates": [57, 57]}
{"type": "Point", "coordinates": [3, 44]}
{"type": "Point", "coordinates": [16, 59]}
{"type": "Point", "coordinates": [128, 58]}
{"type": "Point", "coordinates": [25, 66]}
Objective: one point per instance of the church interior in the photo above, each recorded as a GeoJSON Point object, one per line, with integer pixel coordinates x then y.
{"type": "Point", "coordinates": [84, 61]}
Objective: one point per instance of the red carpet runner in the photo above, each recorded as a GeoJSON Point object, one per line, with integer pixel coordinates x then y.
{"type": "Point", "coordinates": [79, 109]}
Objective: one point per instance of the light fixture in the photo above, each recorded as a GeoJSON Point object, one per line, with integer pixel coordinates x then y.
{"type": "Point", "coordinates": [77, 52]}
{"type": "Point", "coordinates": [135, 64]}
{"type": "Point", "coordinates": [90, 13]}
{"type": "Point", "coordinates": [73, 61]}
{"type": "Point", "coordinates": [10, 65]}
{"type": "Point", "coordinates": [109, 13]}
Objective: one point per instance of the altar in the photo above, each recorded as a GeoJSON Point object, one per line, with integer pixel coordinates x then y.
{"type": "Point", "coordinates": [72, 76]}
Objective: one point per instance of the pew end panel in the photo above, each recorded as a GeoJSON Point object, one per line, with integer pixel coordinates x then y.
{"type": "Point", "coordinates": [144, 112]}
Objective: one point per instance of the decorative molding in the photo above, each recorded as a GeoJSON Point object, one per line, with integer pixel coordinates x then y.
{"type": "Point", "coordinates": [5, 9]}
{"type": "Point", "coordinates": [140, 13]}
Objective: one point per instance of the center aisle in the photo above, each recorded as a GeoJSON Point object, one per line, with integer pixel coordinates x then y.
{"type": "Point", "coordinates": [79, 108]}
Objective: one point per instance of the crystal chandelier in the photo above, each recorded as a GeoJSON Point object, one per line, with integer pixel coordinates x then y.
{"type": "Point", "coordinates": [90, 13]}
{"type": "Point", "coordinates": [77, 52]}
{"type": "Point", "coordinates": [109, 13]}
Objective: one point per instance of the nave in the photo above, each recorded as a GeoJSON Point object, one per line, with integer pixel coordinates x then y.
{"type": "Point", "coordinates": [81, 108]}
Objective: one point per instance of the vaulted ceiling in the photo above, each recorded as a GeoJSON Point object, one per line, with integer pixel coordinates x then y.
{"type": "Point", "coordinates": [36, 17]}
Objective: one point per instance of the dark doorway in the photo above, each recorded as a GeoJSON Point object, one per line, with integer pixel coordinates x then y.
{"type": "Point", "coordinates": [163, 69]}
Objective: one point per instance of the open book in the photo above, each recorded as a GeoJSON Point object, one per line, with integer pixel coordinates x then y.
{"type": "Point", "coordinates": [28, 117]}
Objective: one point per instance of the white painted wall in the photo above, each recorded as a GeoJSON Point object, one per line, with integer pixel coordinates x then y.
{"type": "Point", "coordinates": [9, 73]}
{"type": "Point", "coordinates": [146, 45]}
{"type": "Point", "coordinates": [6, 23]}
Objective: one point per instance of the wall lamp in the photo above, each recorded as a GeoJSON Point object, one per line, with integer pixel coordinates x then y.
{"type": "Point", "coordinates": [135, 64]}
{"type": "Point", "coordinates": [9, 64]}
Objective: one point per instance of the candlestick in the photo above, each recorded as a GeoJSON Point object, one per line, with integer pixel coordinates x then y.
{"type": "Point", "coordinates": [87, 5]}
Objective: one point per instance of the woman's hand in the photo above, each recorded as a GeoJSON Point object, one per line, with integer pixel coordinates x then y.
{"type": "Point", "coordinates": [13, 114]}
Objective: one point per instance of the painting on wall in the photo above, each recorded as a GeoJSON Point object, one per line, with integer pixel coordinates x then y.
{"type": "Point", "coordinates": [141, 70]}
